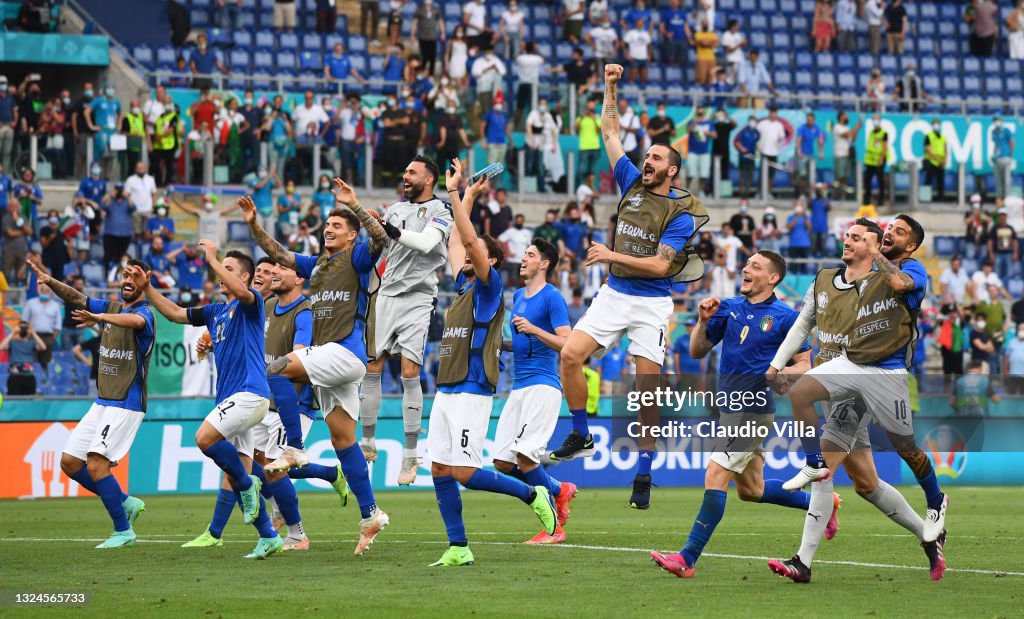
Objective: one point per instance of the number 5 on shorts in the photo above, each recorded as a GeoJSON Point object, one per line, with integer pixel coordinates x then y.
{"type": "Point", "coordinates": [465, 438]}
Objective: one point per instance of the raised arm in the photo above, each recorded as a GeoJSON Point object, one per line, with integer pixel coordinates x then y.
{"type": "Point", "coordinates": [610, 115]}
{"type": "Point", "coordinates": [231, 280]}
{"type": "Point", "coordinates": [346, 196]}
{"type": "Point", "coordinates": [700, 345]}
{"type": "Point", "coordinates": [466, 233]}
{"type": "Point", "coordinates": [266, 242]}
{"type": "Point", "coordinates": [898, 280]}
{"type": "Point", "coordinates": [797, 334]}
{"type": "Point", "coordinates": [170, 310]}
{"type": "Point", "coordinates": [128, 321]}
{"type": "Point", "coordinates": [69, 295]}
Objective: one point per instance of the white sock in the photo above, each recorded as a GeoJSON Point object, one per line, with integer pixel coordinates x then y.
{"type": "Point", "coordinates": [818, 513]}
{"type": "Point", "coordinates": [893, 504]}
{"type": "Point", "coordinates": [369, 405]}
{"type": "Point", "coordinates": [296, 531]}
{"type": "Point", "coordinates": [409, 453]}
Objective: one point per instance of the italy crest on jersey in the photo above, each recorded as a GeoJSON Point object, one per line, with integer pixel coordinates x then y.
{"type": "Point", "coordinates": [766, 323]}
{"type": "Point", "coordinates": [422, 212]}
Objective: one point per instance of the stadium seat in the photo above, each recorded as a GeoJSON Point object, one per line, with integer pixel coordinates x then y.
{"type": "Point", "coordinates": [928, 11]}
{"type": "Point", "coordinates": [200, 18]}
{"type": "Point", "coordinates": [312, 42]}
{"type": "Point", "coordinates": [758, 40]}
{"type": "Point", "coordinates": [948, 65]}
{"type": "Point", "coordinates": [991, 66]}
{"type": "Point", "coordinates": [931, 83]}
{"type": "Point", "coordinates": [242, 38]}
{"type": "Point", "coordinates": [778, 23]}
{"type": "Point", "coordinates": [543, 32]}
{"type": "Point", "coordinates": [847, 83]}
{"type": "Point", "coordinates": [783, 79]}
{"type": "Point", "coordinates": [758, 22]}
{"type": "Point", "coordinates": [994, 86]}
{"type": "Point", "coordinates": [218, 37]}
{"type": "Point", "coordinates": [265, 39]}
{"type": "Point", "coordinates": [452, 10]}
{"type": "Point", "coordinates": [359, 63]}
{"type": "Point", "coordinates": [781, 41]}
{"type": "Point", "coordinates": [93, 272]}
{"type": "Point", "coordinates": [310, 62]}
{"type": "Point", "coordinates": [778, 59]}
{"type": "Point", "coordinates": [285, 61]}
{"type": "Point", "coordinates": [263, 60]}
{"type": "Point", "coordinates": [826, 82]}
{"type": "Point", "coordinates": [928, 65]}
{"type": "Point", "coordinates": [803, 80]}
{"type": "Point", "coordinates": [288, 41]}
{"type": "Point", "coordinates": [800, 26]}
{"type": "Point", "coordinates": [845, 62]}
{"type": "Point", "coordinates": [825, 62]}
{"type": "Point", "coordinates": [926, 30]}
{"type": "Point", "coordinates": [376, 65]}
{"type": "Point", "coordinates": [262, 80]}
{"type": "Point", "coordinates": [769, 7]}
{"type": "Point", "coordinates": [166, 55]}
{"type": "Point", "coordinates": [143, 55]}
{"type": "Point", "coordinates": [971, 66]}
{"type": "Point", "coordinates": [803, 60]}
{"type": "Point", "coordinates": [888, 64]}
{"type": "Point", "coordinates": [1014, 86]}
{"type": "Point", "coordinates": [788, 8]}
{"type": "Point", "coordinates": [865, 62]}
{"type": "Point", "coordinates": [971, 85]}
{"type": "Point", "coordinates": [542, 12]}
{"type": "Point", "coordinates": [239, 60]}
{"type": "Point", "coordinates": [332, 39]}
{"type": "Point", "coordinates": [356, 44]}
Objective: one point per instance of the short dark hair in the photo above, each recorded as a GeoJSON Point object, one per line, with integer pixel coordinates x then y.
{"type": "Point", "coordinates": [975, 364]}
{"type": "Point", "coordinates": [916, 229]}
{"type": "Point", "coordinates": [871, 225]}
{"type": "Point", "coordinates": [577, 292]}
{"type": "Point", "coordinates": [266, 260]}
{"type": "Point", "coordinates": [777, 261]}
{"type": "Point", "coordinates": [141, 264]}
{"type": "Point", "coordinates": [248, 266]}
{"type": "Point", "coordinates": [429, 164]}
{"type": "Point", "coordinates": [494, 250]}
{"type": "Point", "coordinates": [547, 252]}
{"type": "Point", "coordinates": [674, 158]}
{"type": "Point", "coordinates": [346, 214]}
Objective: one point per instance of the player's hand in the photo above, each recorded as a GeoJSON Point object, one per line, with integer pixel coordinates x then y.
{"type": "Point", "coordinates": [209, 248]}
{"type": "Point", "coordinates": [598, 253]}
{"type": "Point", "coordinates": [85, 318]}
{"type": "Point", "coordinates": [204, 345]}
{"type": "Point", "coordinates": [612, 73]}
{"type": "Point", "coordinates": [376, 215]}
{"type": "Point", "coordinates": [137, 276]}
{"type": "Point", "coordinates": [707, 308]}
{"type": "Point", "coordinates": [480, 187]}
{"type": "Point", "coordinates": [453, 175]}
{"type": "Point", "coordinates": [248, 208]}
{"type": "Point", "coordinates": [40, 271]}
{"type": "Point", "coordinates": [344, 194]}
{"type": "Point", "coordinates": [871, 238]}
{"type": "Point", "coordinates": [523, 325]}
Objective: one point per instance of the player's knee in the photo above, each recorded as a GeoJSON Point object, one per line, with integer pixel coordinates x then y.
{"type": "Point", "coordinates": [864, 487]}
{"type": "Point", "coordinates": [571, 359]}
{"type": "Point", "coordinates": [439, 470]}
{"type": "Point", "coordinates": [70, 464]}
{"type": "Point", "coordinates": [503, 467]}
{"type": "Point", "coordinates": [98, 467]}
{"type": "Point", "coordinates": [746, 493]}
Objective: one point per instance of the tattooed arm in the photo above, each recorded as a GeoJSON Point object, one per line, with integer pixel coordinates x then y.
{"type": "Point", "coordinates": [898, 280]}
{"type": "Point", "coordinates": [346, 196]}
{"type": "Point", "coordinates": [72, 297]}
{"type": "Point", "coordinates": [275, 250]}
{"type": "Point", "coordinates": [658, 265]}
{"type": "Point", "coordinates": [610, 114]}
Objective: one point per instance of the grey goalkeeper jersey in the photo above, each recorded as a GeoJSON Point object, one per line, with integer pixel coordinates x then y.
{"type": "Point", "coordinates": [407, 270]}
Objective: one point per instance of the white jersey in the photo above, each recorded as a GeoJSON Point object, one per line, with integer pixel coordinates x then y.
{"type": "Point", "coordinates": [407, 270]}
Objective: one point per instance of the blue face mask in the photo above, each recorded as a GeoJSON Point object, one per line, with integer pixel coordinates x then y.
{"type": "Point", "coordinates": [88, 94]}
{"type": "Point", "coordinates": [44, 297]}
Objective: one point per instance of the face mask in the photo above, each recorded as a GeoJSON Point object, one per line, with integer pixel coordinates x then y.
{"type": "Point", "coordinates": [452, 110]}
{"type": "Point", "coordinates": [1020, 334]}
{"type": "Point", "coordinates": [44, 297]}
{"type": "Point", "coordinates": [520, 227]}
{"type": "Point", "coordinates": [910, 73]}
{"type": "Point", "coordinates": [161, 212]}
{"type": "Point", "coordinates": [799, 210]}
{"type": "Point", "coordinates": [248, 101]}
{"type": "Point", "coordinates": [186, 297]}
{"type": "Point", "coordinates": [66, 100]}
{"type": "Point", "coordinates": [410, 103]}
{"type": "Point", "coordinates": [661, 113]}
{"type": "Point", "coordinates": [263, 174]}
{"type": "Point", "coordinates": [998, 125]}
{"type": "Point", "coordinates": [202, 47]}
{"type": "Point", "coordinates": [88, 93]}
{"type": "Point", "coordinates": [267, 111]}
{"type": "Point", "coordinates": [936, 127]}
{"type": "Point", "coordinates": [95, 171]}
{"type": "Point", "coordinates": [325, 185]}
{"type": "Point", "coordinates": [392, 102]}
{"type": "Point", "coordinates": [542, 108]}
{"type": "Point", "coordinates": [208, 205]}
{"type": "Point", "coordinates": [23, 331]}
{"type": "Point", "coordinates": [752, 124]}
{"type": "Point", "coordinates": [498, 108]}
{"type": "Point", "coordinates": [110, 92]}
{"type": "Point", "coordinates": [744, 208]}
{"type": "Point", "coordinates": [54, 221]}
{"type": "Point", "coordinates": [720, 116]}
{"type": "Point", "coordinates": [980, 325]}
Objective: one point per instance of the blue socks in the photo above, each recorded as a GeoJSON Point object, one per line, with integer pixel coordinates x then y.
{"type": "Point", "coordinates": [353, 464]}
{"type": "Point", "coordinates": [222, 512]}
{"type": "Point", "coordinates": [287, 499]}
{"type": "Point", "coordinates": [539, 477]}
{"type": "Point", "coordinates": [259, 473]}
{"type": "Point", "coordinates": [449, 501]}
{"type": "Point", "coordinates": [492, 481]}
{"type": "Point", "coordinates": [774, 494]}
{"type": "Point", "coordinates": [85, 480]}
{"type": "Point", "coordinates": [579, 421]}
{"type": "Point", "coordinates": [287, 403]}
{"type": "Point", "coordinates": [643, 465]}
{"type": "Point", "coordinates": [710, 514]}
{"type": "Point", "coordinates": [110, 493]}
{"type": "Point", "coordinates": [226, 457]}
{"type": "Point", "coordinates": [932, 494]}
{"type": "Point", "coordinates": [315, 471]}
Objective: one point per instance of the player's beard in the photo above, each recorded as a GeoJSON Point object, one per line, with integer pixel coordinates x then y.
{"type": "Point", "coordinates": [130, 297]}
{"type": "Point", "coordinates": [657, 178]}
{"type": "Point", "coordinates": [893, 252]}
{"type": "Point", "coordinates": [413, 191]}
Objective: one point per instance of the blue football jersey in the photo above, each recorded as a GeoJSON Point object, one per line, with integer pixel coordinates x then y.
{"type": "Point", "coordinates": [487, 301]}
{"type": "Point", "coordinates": [535, 362]}
{"type": "Point", "coordinates": [238, 345]}
{"type": "Point", "coordinates": [144, 342]}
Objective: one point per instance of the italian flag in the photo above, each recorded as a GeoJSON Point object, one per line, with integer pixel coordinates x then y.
{"type": "Point", "coordinates": [70, 226]}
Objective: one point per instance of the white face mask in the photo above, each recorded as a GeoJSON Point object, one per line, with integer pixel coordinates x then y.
{"type": "Point", "coordinates": [980, 325]}
{"type": "Point", "coordinates": [1020, 334]}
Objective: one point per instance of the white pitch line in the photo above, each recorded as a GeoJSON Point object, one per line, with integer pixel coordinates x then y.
{"type": "Point", "coordinates": [889, 566]}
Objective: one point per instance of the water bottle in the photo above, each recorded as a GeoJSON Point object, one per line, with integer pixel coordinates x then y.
{"type": "Point", "coordinates": [490, 172]}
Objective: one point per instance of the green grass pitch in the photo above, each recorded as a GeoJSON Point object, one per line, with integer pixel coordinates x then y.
{"type": "Point", "coordinates": [871, 568]}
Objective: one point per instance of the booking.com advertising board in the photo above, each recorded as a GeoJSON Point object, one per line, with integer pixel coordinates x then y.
{"type": "Point", "coordinates": [165, 460]}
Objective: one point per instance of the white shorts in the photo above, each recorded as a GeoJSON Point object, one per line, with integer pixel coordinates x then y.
{"type": "Point", "coordinates": [335, 373]}
{"type": "Point", "coordinates": [846, 424]}
{"type": "Point", "coordinates": [269, 436]}
{"type": "Point", "coordinates": [885, 393]}
{"type": "Point", "coordinates": [235, 418]}
{"type": "Point", "coordinates": [644, 319]}
{"type": "Point", "coordinates": [400, 325]}
{"type": "Point", "coordinates": [458, 428]}
{"type": "Point", "coordinates": [734, 454]}
{"type": "Point", "coordinates": [527, 423]}
{"type": "Point", "coordinates": [105, 430]}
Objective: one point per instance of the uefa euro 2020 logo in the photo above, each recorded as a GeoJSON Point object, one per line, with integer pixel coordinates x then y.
{"type": "Point", "coordinates": [947, 448]}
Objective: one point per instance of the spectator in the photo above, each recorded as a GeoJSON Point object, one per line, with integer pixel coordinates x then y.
{"type": "Point", "coordinates": [686, 365]}
{"type": "Point", "coordinates": [489, 72]}
{"type": "Point", "coordinates": [327, 16]}
{"type": "Point", "coordinates": [972, 392]}
{"type": "Point", "coordinates": [82, 127]}
{"type": "Point", "coordinates": [44, 317]}
{"type": "Point", "coordinates": [529, 66]}
{"type": "Point", "coordinates": [24, 344]}
{"type": "Point", "coordinates": [720, 87]}
{"type": "Point", "coordinates": [810, 146]}
{"type": "Point", "coordinates": [752, 79]}
{"type": "Point", "coordinates": [29, 195]}
{"type": "Point", "coordinates": [579, 71]}
{"type": "Point", "coordinates": [8, 123]}
{"type": "Point", "coordinates": [289, 206]}
{"type": "Point", "coordinates": [896, 27]}
{"type": "Point", "coordinates": [338, 66]}
{"type": "Point", "coordinates": [701, 132]}
{"type": "Point", "coordinates": [541, 131]}
{"type": "Point", "coordinates": [369, 16]}
{"type": "Point", "coordinates": [141, 190]}
{"type": "Point", "coordinates": [161, 265]}
{"type": "Point", "coordinates": [351, 139]}
{"type": "Point", "coordinates": [166, 140]}
{"type": "Point", "coordinates": [204, 61]}
{"type": "Point", "coordinates": [995, 317]}
{"type": "Point", "coordinates": [586, 195]}
{"type": "Point", "coordinates": [161, 225]}
{"type": "Point", "coordinates": [57, 249]}
{"type": "Point", "coordinates": [1003, 247]}
{"type": "Point", "coordinates": [638, 51]}
{"type": "Point", "coordinates": [573, 12]}
{"type": "Point", "coordinates": [798, 228]}
{"type": "Point", "coordinates": [573, 231]}
{"type": "Point", "coordinates": [117, 225]}
{"type": "Point", "coordinates": [603, 40]}
{"type": "Point", "coordinates": [638, 12]}
{"type": "Point", "coordinates": [498, 217]}
{"type": "Point", "coordinates": [30, 107]}
{"type": "Point", "coordinates": [428, 31]}
{"type": "Point", "coordinates": [846, 25]}
{"type": "Point", "coordinates": [17, 232]}
{"type": "Point", "coordinates": [190, 265]}
{"type": "Point", "coordinates": [843, 138]}
{"type": "Point", "coordinates": [745, 143]}
{"type": "Point", "coordinates": [1017, 312]}
{"type": "Point", "coordinates": [549, 231]}
{"type": "Point", "coordinates": [394, 68]}
{"type": "Point", "coordinates": [452, 134]}
{"type": "Point", "coordinates": [629, 131]}
{"type": "Point", "coordinates": [982, 347]}
{"type": "Point", "coordinates": [494, 128]}
{"type": "Point", "coordinates": [874, 90]}
{"type": "Point", "coordinates": [588, 131]}
{"type": "Point", "coordinates": [1015, 40]}
{"type": "Point", "coordinates": [706, 42]}
{"type": "Point", "coordinates": [936, 158]}
{"type": "Point", "coordinates": [985, 281]}
{"type": "Point", "coordinates": [742, 224]}
{"type": "Point", "coordinates": [728, 243]}
{"type": "Point", "coordinates": [976, 224]}
{"type": "Point", "coordinates": [874, 12]}
{"type": "Point", "coordinates": [576, 307]}
{"type": "Point", "coordinates": [311, 113]}
{"type": "Point", "coordinates": [474, 17]}
{"type": "Point", "coordinates": [661, 129]}
{"type": "Point", "coordinates": [724, 124]}
{"type": "Point", "coordinates": [226, 14]}
{"type": "Point", "coordinates": [875, 155]}
{"type": "Point", "coordinates": [284, 15]}
{"type": "Point", "coordinates": [820, 241]}
{"type": "Point", "coordinates": [824, 26]}
{"type": "Point", "coordinates": [983, 16]}
{"type": "Point", "coordinates": [133, 127]}
{"type": "Point", "coordinates": [733, 43]}
{"type": "Point", "coordinates": [512, 30]}
{"type": "Point", "coordinates": [768, 236]}
{"type": "Point", "coordinates": [395, 20]}
{"type": "Point", "coordinates": [516, 240]}
{"type": "Point", "coordinates": [457, 58]}
{"type": "Point", "coordinates": [675, 34]}
{"type": "Point", "coordinates": [5, 189]}
{"type": "Point", "coordinates": [1013, 362]}
{"type": "Point", "coordinates": [302, 241]}
{"type": "Point", "coordinates": [1002, 157]}
{"type": "Point", "coordinates": [104, 117]}
{"type": "Point", "coordinates": [910, 91]}
{"type": "Point", "coordinates": [721, 280]}
{"type": "Point", "coordinates": [955, 282]}
{"type": "Point", "coordinates": [772, 140]}
{"type": "Point", "coordinates": [51, 130]}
